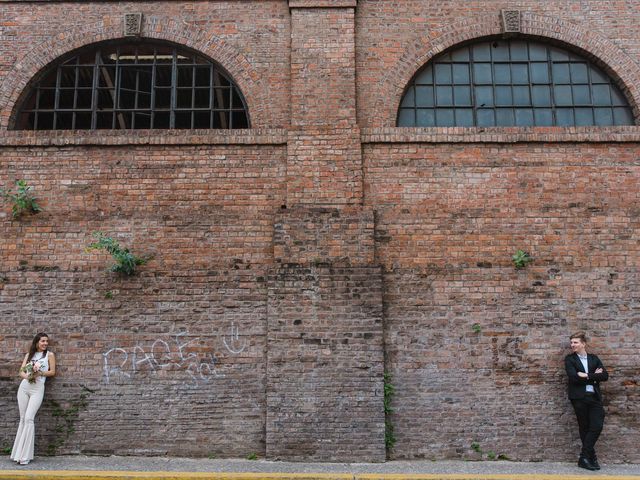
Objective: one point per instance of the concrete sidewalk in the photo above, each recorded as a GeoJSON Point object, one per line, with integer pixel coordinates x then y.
{"type": "Point", "coordinates": [80, 467]}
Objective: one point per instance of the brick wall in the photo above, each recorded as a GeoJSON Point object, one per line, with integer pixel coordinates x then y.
{"type": "Point", "coordinates": [470, 338]}
{"type": "Point", "coordinates": [292, 263]}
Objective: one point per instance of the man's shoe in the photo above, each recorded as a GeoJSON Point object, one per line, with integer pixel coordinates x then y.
{"type": "Point", "coordinates": [594, 462]}
{"type": "Point", "coordinates": [585, 463]}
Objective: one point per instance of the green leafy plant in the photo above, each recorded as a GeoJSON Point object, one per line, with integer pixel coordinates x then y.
{"type": "Point", "coordinates": [65, 419]}
{"type": "Point", "coordinates": [475, 446]}
{"type": "Point", "coordinates": [6, 449]}
{"type": "Point", "coordinates": [108, 295]}
{"type": "Point", "coordinates": [23, 200]}
{"type": "Point", "coordinates": [252, 456]}
{"type": "Point", "coordinates": [476, 328]}
{"type": "Point", "coordinates": [521, 259]}
{"type": "Point", "coordinates": [389, 392]}
{"type": "Point", "coordinates": [126, 262]}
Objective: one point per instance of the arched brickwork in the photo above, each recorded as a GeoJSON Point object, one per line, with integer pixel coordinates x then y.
{"type": "Point", "coordinates": [244, 75]}
{"type": "Point", "coordinates": [620, 66]}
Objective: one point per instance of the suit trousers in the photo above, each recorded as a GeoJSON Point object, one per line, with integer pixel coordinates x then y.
{"type": "Point", "coordinates": [590, 415]}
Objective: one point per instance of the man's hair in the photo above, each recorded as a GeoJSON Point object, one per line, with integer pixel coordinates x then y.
{"type": "Point", "coordinates": [581, 335]}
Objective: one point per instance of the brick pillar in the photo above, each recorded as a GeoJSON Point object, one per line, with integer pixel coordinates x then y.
{"type": "Point", "coordinates": [325, 356]}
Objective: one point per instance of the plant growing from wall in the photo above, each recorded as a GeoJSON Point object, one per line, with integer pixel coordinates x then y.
{"type": "Point", "coordinates": [521, 259]}
{"type": "Point", "coordinates": [23, 200]}
{"type": "Point", "coordinates": [389, 392]}
{"type": "Point", "coordinates": [476, 328]}
{"type": "Point", "coordinates": [65, 419]}
{"type": "Point", "coordinates": [126, 262]}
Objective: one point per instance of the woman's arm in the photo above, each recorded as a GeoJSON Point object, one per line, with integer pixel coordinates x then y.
{"type": "Point", "coordinates": [24, 363]}
{"type": "Point", "coordinates": [52, 367]}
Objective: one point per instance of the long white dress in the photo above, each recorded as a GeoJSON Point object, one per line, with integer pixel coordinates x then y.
{"type": "Point", "coordinates": [29, 400]}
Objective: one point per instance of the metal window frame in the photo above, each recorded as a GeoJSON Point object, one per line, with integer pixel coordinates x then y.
{"type": "Point", "coordinates": [447, 58]}
{"type": "Point", "coordinates": [124, 117]}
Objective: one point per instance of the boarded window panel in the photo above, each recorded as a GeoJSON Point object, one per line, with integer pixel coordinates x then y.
{"type": "Point", "coordinates": [583, 116]}
{"type": "Point", "coordinates": [502, 74]}
{"type": "Point", "coordinates": [409, 98]}
{"type": "Point", "coordinates": [539, 72]}
{"type": "Point", "coordinates": [486, 118]}
{"type": "Point", "coordinates": [581, 95]}
{"type": "Point", "coordinates": [579, 73]}
{"type": "Point", "coordinates": [461, 74]}
{"type": "Point", "coordinates": [482, 52]}
{"type": "Point", "coordinates": [500, 51]}
{"type": "Point", "coordinates": [603, 116]}
{"type": "Point", "coordinates": [505, 117]}
{"type": "Point", "coordinates": [560, 73]}
{"type": "Point", "coordinates": [520, 73]}
{"type": "Point", "coordinates": [484, 96]}
{"type": "Point", "coordinates": [426, 117]}
{"type": "Point", "coordinates": [445, 117]}
{"type": "Point", "coordinates": [424, 96]}
{"type": "Point", "coordinates": [598, 76]}
{"type": "Point", "coordinates": [460, 55]}
{"type": "Point", "coordinates": [462, 96]}
{"type": "Point", "coordinates": [407, 118]}
{"type": "Point", "coordinates": [482, 73]}
{"type": "Point", "coordinates": [601, 94]}
{"type": "Point", "coordinates": [537, 52]}
{"type": "Point", "coordinates": [444, 96]}
{"type": "Point", "coordinates": [425, 77]}
{"type": "Point", "coordinates": [617, 98]}
{"type": "Point", "coordinates": [524, 117]}
{"type": "Point", "coordinates": [464, 117]}
{"type": "Point", "coordinates": [543, 117]}
{"type": "Point", "coordinates": [443, 73]}
{"type": "Point", "coordinates": [521, 95]}
{"type": "Point", "coordinates": [562, 95]}
{"type": "Point", "coordinates": [541, 95]}
{"type": "Point", "coordinates": [622, 116]}
{"type": "Point", "coordinates": [564, 117]}
{"type": "Point", "coordinates": [519, 51]}
{"type": "Point", "coordinates": [504, 96]}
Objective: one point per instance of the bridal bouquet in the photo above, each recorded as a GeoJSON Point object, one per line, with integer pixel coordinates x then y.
{"type": "Point", "coordinates": [31, 369]}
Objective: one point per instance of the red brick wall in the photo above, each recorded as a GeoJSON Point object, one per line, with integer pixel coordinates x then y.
{"type": "Point", "coordinates": [292, 262]}
{"type": "Point", "coordinates": [448, 220]}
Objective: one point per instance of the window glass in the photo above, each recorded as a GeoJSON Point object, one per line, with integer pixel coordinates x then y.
{"type": "Point", "coordinates": [512, 83]}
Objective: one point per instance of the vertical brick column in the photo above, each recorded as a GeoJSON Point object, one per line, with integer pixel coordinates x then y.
{"type": "Point", "coordinates": [324, 164]}
{"type": "Point", "coordinates": [325, 355]}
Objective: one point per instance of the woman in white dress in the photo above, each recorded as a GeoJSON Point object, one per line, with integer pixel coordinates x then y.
{"type": "Point", "coordinates": [37, 365]}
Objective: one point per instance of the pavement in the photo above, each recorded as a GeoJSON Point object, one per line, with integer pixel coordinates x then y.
{"type": "Point", "coordinates": [81, 467]}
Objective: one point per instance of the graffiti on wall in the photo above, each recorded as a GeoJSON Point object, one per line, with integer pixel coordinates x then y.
{"type": "Point", "coordinates": [170, 353]}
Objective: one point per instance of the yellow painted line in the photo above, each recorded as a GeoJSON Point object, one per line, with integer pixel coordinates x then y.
{"type": "Point", "coordinates": [486, 476]}
{"type": "Point", "coordinates": [128, 475]}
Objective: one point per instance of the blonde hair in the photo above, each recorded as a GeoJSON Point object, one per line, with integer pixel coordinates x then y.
{"type": "Point", "coordinates": [580, 335]}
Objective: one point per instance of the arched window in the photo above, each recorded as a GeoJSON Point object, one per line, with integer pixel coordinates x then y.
{"type": "Point", "coordinates": [512, 83]}
{"type": "Point", "coordinates": [133, 86]}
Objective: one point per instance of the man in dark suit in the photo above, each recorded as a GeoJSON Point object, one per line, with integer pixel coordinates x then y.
{"type": "Point", "coordinates": [585, 372]}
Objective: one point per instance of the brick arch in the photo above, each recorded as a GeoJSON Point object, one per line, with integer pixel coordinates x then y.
{"type": "Point", "coordinates": [619, 65]}
{"type": "Point", "coordinates": [155, 28]}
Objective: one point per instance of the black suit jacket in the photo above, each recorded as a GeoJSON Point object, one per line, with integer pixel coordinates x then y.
{"type": "Point", "coordinates": [577, 385]}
